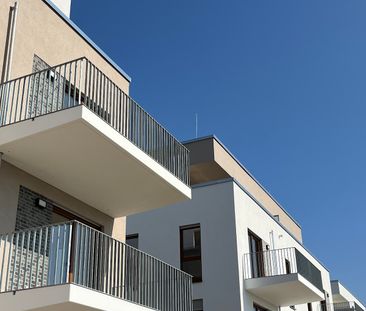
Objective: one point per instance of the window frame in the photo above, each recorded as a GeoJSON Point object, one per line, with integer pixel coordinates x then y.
{"type": "Point", "coordinates": [72, 216]}
{"type": "Point", "coordinates": [132, 236]}
{"type": "Point", "coordinates": [258, 307]}
{"type": "Point", "coordinates": [195, 279]}
{"type": "Point", "coordinates": [198, 300]}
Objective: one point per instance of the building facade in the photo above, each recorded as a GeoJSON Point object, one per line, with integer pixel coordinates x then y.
{"type": "Point", "coordinates": [77, 156]}
{"type": "Point", "coordinates": [343, 299]}
{"type": "Point", "coordinates": [243, 249]}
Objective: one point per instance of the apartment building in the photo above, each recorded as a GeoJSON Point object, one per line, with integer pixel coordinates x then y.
{"type": "Point", "coordinates": [244, 250]}
{"type": "Point", "coordinates": [343, 299]}
{"type": "Point", "coordinates": [77, 156]}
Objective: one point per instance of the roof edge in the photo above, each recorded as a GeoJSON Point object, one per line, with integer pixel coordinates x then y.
{"type": "Point", "coordinates": [244, 168]}
{"type": "Point", "coordinates": [87, 39]}
{"type": "Point", "coordinates": [341, 284]}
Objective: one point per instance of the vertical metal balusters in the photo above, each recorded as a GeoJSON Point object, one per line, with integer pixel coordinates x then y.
{"type": "Point", "coordinates": [45, 254]}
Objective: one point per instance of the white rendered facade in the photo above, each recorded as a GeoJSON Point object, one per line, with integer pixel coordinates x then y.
{"type": "Point", "coordinates": [251, 250]}
{"type": "Point", "coordinates": [225, 212]}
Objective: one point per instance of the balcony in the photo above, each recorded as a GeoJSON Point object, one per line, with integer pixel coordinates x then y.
{"type": "Point", "coordinates": [283, 277]}
{"type": "Point", "coordinates": [71, 266]}
{"type": "Point", "coordinates": [347, 306]}
{"type": "Point", "coordinates": [72, 127]}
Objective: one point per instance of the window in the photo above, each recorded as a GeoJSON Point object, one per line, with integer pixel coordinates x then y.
{"type": "Point", "coordinates": [310, 307]}
{"type": "Point", "coordinates": [62, 215]}
{"type": "Point", "coordinates": [256, 250]}
{"type": "Point", "coordinates": [198, 305]}
{"type": "Point", "coordinates": [190, 251]}
{"type": "Point", "coordinates": [288, 266]}
{"type": "Point", "coordinates": [259, 308]}
{"type": "Point", "coordinates": [133, 240]}
{"type": "Point", "coordinates": [323, 305]}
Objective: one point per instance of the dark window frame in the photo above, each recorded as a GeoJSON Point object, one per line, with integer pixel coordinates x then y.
{"type": "Point", "coordinates": [198, 300]}
{"type": "Point", "coordinates": [133, 236]}
{"type": "Point", "coordinates": [71, 216]}
{"type": "Point", "coordinates": [184, 259]}
{"type": "Point", "coordinates": [257, 258]}
{"type": "Point", "coordinates": [258, 307]}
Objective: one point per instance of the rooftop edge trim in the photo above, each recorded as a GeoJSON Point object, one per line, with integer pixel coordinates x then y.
{"type": "Point", "coordinates": [244, 168]}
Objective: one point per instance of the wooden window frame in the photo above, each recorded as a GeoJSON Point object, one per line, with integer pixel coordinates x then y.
{"type": "Point", "coordinates": [71, 216]}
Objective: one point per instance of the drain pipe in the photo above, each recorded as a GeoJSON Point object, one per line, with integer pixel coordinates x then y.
{"type": "Point", "coordinates": [9, 45]}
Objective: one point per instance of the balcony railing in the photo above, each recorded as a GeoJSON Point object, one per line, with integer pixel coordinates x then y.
{"type": "Point", "coordinates": [73, 253]}
{"type": "Point", "coordinates": [79, 82]}
{"type": "Point", "coordinates": [281, 262]}
{"type": "Point", "coordinates": [346, 306]}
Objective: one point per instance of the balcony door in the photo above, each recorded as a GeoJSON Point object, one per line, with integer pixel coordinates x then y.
{"type": "Point", "coordinates": [256, 250]}
{"type": "Point", "coordinates": [59, 243]}
{"type": "Point", "coordinates": [61, 215]}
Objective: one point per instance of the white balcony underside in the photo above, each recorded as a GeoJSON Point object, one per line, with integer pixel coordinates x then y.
{"type": "Point", "coordinates": [64, 297]}
{"type": "Point", "coordinates": [284, 290]}
{"type": "Point", "coordinates": [76, 151]}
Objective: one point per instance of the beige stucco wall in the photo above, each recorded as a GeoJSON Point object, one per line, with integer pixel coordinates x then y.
{"type": "Point", "coordinates": [234, 169]}
{"type": "Point", "coordinates": [42, 32]}
{"type": "Point", "coordinates": [211, 161]}
{"type": "Point", "coordinates": [10, 180]}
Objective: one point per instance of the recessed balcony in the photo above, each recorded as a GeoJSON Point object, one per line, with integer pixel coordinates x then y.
{"type": "Point", "coordinates": [73, 128]}
{"type": "Point", "coordinates": [283, 277]}
{"type": "Point", "coordinates": [71, 266]}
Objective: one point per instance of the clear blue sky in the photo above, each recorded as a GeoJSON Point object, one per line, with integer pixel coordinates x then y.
{"type": "Point", "coordinates": [281, 83]}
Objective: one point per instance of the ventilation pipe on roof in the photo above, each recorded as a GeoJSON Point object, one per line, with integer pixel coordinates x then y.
{"type": "Point", "coordinates": [9, 44]}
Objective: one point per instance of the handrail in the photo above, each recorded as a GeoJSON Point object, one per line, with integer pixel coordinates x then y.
{"type": "Point", "coordinates": [74, 253]}
{"type": "Point", "coordinates": [347, 306]}
{"type": "Point", "coordinates": [80, 82]}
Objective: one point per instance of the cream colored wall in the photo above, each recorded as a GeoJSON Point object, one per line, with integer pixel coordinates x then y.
{"type": "Point", "coordinates": [10, 180]}
{"type": "Point", "coordinates": [64, 6]}
{"type": "Point", "coordinates": [42, 32]}
{"type": "Point", "coordinates": [226, 161]}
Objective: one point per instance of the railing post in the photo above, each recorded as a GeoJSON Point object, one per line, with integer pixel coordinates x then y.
{"type": "Point", "coordinates": [72, 253]}
{"type": "Point", "coordinates": [80, 80]}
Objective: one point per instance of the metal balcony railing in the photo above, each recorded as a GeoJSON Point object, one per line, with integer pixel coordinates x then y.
{"type": "Point", "coordinates": [339, 306]}
{"type": "Point", "coordinates": [79, 82]}
{"type": "Point", "coordinates": [347, 306]}
{"type": "Point", "coordinates": [73, 253]}
{"type": "Point", "coordinates": [281, 262]}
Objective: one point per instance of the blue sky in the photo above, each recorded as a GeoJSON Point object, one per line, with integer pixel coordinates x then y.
{"type": "Point", "coordinates": [281, 83]}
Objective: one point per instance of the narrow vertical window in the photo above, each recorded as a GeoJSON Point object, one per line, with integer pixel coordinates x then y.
{"type": "Point", "coordinates": [310, 307]}
{"type": "Point", "coordinates": [198, 305]}
{"type": "Point", "coordinates": [132, 240]}
{"type": "Point", "coordinates": [288, 266]}
{"type": "Point", "coordinates": [190, 251]}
